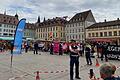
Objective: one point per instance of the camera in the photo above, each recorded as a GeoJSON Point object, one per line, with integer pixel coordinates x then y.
{"type": "Point", "coordinates": [91, 73]}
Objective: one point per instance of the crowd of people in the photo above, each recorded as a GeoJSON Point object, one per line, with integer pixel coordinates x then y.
{"type": "Point", "coordinates": [5, 46]}
{"type": "Point", "coordinates": [75, 50]}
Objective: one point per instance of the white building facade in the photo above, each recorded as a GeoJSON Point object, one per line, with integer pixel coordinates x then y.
{"type": "Point", "coordinates": [7, 30]}
{"type": "Point", "coordinates": [75, 28]}
{"type": "Point", "coordinates": [8, 25]}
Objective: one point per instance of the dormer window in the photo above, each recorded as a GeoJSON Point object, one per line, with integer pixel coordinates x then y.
{"type": "Point", "coordinates": [4, 20]}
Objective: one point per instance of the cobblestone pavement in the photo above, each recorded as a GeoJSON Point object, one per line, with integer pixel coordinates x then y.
{"type": "Point", "coordinates": [51, 67]}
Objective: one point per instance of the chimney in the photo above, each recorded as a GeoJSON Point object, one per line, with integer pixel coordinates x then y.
{"type": "Point", "coordinates": [118, 19]}
{"type": "Point", "coordinates": [105, 20]}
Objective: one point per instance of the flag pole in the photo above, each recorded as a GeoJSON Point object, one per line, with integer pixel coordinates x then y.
{"type": "Point", "coordinates": [11, 59]}
{"type": "Point", "coordinates": [12, 47]}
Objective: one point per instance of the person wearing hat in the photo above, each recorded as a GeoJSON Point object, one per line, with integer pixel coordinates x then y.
{"type": "Point", "coordinates": [74, 59]}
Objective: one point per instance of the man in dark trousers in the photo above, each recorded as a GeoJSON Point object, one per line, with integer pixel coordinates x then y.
{"type": "Point", "coordinates": [87, 55]}
{"type": "Point", "coordinates": [35, 48]}
{"type": "Point", "coordinates": [60, 49]}
{"type": "Point", "coordinates": [51, 48]}
{"type": "Point", "coordinates": [74, 59]}
{"type": "Point", "coordinates": [104, 53]}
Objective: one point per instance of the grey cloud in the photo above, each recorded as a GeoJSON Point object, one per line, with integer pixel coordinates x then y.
{"type": "Point", "coordinates": [51, 8]}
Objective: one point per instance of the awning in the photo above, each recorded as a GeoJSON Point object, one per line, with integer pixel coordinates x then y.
{"type": "Point", "coordinates": [101, 40]}
{"type": "Point", "coordinates": [6, 38]}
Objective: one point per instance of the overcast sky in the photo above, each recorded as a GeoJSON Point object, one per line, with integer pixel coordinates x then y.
{"type": "Point", "coordinates": [31, 9]}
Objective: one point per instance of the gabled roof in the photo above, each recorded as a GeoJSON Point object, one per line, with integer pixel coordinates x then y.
{"type": "Point", "coordinates": [30, 26]}
{"type": "Point", "coordinates": [8, 19]}
{"type": "Point", "coordinates": [52, 22]}
{"type": "Point", "coordinates": [80, 16]}
{"type": "Point", "coordinates": [104, 24]}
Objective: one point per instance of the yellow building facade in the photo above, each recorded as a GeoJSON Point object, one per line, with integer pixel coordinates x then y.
{"type": "Point", "coordinates": [104, 31]}
{"type": "Point", "coordinates": [51, 29]}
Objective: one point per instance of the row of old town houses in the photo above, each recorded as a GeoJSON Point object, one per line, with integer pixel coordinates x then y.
{"type": "Point", "coordinates": [81, 27]}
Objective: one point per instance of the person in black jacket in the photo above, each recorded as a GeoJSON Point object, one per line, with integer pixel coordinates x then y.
{"type": "Point", "coordinates": [35, 48]}
{"type": "Point", "coordinates": [87, 55]}
{"type": "Point", "coordinates": [51, 48]}
{"type": "Point", "coordinates": [104, 53]}
{"type": "Point", "coordinates": [60, 49]}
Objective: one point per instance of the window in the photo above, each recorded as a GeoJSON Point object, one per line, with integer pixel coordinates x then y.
{"type": "Point", "coordinates": [70, 30]}
{"type": "Point", "coordinates": [76, 36]}
{"type": "Point", "coordinates": [82, 23]}
{"type": "Point", "coordinates": [56, 28]}
{"type": "Point", "coordinates": [82, 30]}
{"type": "Point", "coordinates": [43, 35]}
{"type": "Point", "coordinates": [53, 29]}
{"type": "Point", "coordinates": [79, 24]}
{"type": "Point", "coordinates": [93, 35]}
{"type": "Point", "coordinates": [5, 34]}
{"type": "Point", "coordinates": [89, 34]}
{"type": "Point", "coordinates": [76, 30]}
{"type": "Point", "coordinates": [10, 34]}
{"type": "Point", "coordinates": [119, 33]}
{"type": "Point", "coordinates": [96, 34]}
{"type": "Point", "coordinates": [6, 30]}
{"type": "Point", "coordinates": [118, 26]}
{"type": "Point", "coordinates": [79, 30]}
{"type": "Point", "coordinates": [115, 33]}
{"type": "Point", "coordinates": [0, 25]}
{"type": "Point", "coordinates": [67, 37]}
{"type": "Point", "coordinates": [0, 30]}
{"type": "Point", "coordinates": [56, 35]}
{"type": "Point", "coordinates": [5, 25]}
{"type": "Point", "coordinates": [105, 33]}
{"type": "Point", "coordinates": [4, 20]}
{"type": "Point", "coordinates": [70, 36]}
{"type": "Point", "coordinates": [61, 28]}
{"type": "Point", "coordinates": [76, 24]}
{"type": "Point", "coordinates": [53, 34]}
{"type": "Point", "coordinates": [61, 34]}
{"type": "Point", "coordinates": [101, 34]}
{"type": "Point", "coordinates": [82, 36]}
{"type": "Point", "coordinates": [12, 31]}
{"type": "Point", "coordinates": [73, 36]}
{"type": "Point", "coordinates": [41, 29]}
{"type": "Point", "coordinates": [110, 33]}
{"type": "Point", "coordinates": [79, 36]}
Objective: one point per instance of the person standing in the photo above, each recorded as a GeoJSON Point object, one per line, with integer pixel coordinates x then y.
{"type": "Point", "coordinates": [35, 48]}
{"type": "Point", "coordinates": [51, 48]}
{"type": "Point", "coordinates": [87, 55]}
{"type": "Point", "coordinates": [60, 49]}
{"type": "Point", "coordinates": [104, 53]}
{"type": "Point", "coordinates": [74, 59]}
{"type": "Point", "coordinates": [26, 47]}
